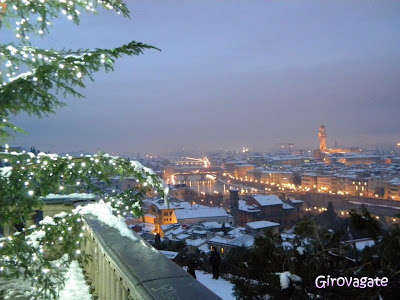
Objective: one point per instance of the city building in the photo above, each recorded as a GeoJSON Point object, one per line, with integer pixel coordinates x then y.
{"type": "Point", "coordinates": [225, 243]}
{"type": "Point", "coordinates": [272, 177]}
{"type": "Point", "coordinates": [326, 183]}
{"type": "Point", "coordinates": [241, 171]}
{"type": "Point", "coordinates": [288, 160]}
{"type": "Point", "coordinates": [270, 208]}
{"type": "Point", "coordinates": [352, 158]}
{"type": "Point", "coordinates": [180, 191]}
{"type": "Point", "coordinates": [259, 227]}
{"type": "Point", "coordinates": [183, 212]}
{"type": "Point", "coordinates": [198, 214]}
{"type": "Point", "coordinates": [309, 181]}
{"type": "Point", "coordinates": [324, 153]}
{"type": "Point", "coordinates": [392, 189]}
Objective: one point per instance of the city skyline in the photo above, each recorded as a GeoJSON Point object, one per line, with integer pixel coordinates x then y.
{"type": "Point", "coordinates": [259, 75]}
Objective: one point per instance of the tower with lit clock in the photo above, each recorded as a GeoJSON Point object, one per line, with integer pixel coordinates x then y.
{"type": "Point", "coordinates": [322, 138]}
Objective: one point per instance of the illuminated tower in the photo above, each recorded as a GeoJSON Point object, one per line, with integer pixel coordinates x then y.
{"type": "Point", "coordinates": [322, 138]}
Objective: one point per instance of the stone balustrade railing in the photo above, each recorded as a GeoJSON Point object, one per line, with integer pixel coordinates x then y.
{"type": "Point", "coordinates": [122, 269]}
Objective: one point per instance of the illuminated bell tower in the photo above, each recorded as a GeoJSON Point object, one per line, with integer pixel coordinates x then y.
{"type": "Point", "coordinates": [322, 138]}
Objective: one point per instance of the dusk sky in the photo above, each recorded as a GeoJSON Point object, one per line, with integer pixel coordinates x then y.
{"type": "Point", "coordinates": [230, 74]}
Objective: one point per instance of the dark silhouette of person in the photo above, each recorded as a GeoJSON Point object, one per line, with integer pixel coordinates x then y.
{"type": "Point", "coordinates": [192, 267]}
{"type": "Point", "coordinates": [215, 259]}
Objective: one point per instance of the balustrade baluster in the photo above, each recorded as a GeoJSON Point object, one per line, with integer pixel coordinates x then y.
{"type": "Point", "coordinates": [109, 281]}
{"type": "Point", "coordinates": [102, 277]}
{"type": "Point", "coordinates": [96, 268]}
{"type": "Point", "coordinates": [118, 285]}
{"type": "Point", "coordinates": [124, 291]}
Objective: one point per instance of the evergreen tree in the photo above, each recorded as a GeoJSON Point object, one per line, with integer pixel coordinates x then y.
{"type": "Point", "coordinates": [328, 217]}
{"type": "Point", "coordinates": [331, 212]}
{"type": "Point", "coordinates": [33, 77]}
{"type": "Point", "coordinates": [32, 80]}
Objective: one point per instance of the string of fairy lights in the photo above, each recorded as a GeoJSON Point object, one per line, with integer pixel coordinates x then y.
{"type": "Point", "coordinates": [81, 166]}
{"type": "Point", "coordinates": [54, 237]}
{"type": "Point", "coordinates": [31, 79]}
{"type": "Point", "coordinates": [35, 16]}
{"type": "Point", "coordinates": [59, 240]}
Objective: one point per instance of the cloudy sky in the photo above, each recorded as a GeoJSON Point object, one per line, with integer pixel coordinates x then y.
{"type": "Point", "coordinates": [231, 74]}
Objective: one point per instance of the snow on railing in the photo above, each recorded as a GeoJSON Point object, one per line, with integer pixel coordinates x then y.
{"type": "Point", "coordinates": [121, 268]}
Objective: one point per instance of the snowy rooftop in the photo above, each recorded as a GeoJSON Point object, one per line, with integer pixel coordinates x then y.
{"type": "Point", "coordinates": [239, 241]}
{"type": "Point", "coordinates": [243, 206]}
{"type": "Point", "coordinates": [394, 181]}
{"type": "Point", "coordinates": [173, 204]}
{"type": "Point", "coordinates": [169, 254]}
{"type": "Point", "coordinates": [196, 242]}
{"type": "Point", "coordinates": [262, 224]}
{"type": "Point", "coordinates": [203, 212]}
{"type": "Point", "coordinates": [236, 231]}
{"type": "Point", "coordinates": [146, 227]}
{"type": "Point", "coordinates": [199, 231]}
{"type": "Point", "coordinates": [266, 200]}
{"type": "Point", "coordinates": [177, 231]}
{"type": "Point", "coordinates": [167, 227]}
{"type": "Point", "coordinates": [235, 162]}
{"type": "Point", "coordinates": [277, 172]}
{"type": "Point", "coordinates": [212, 225]}
{"type": "Point", "coordinates": [294, 201]}
{"type": "Point", "coordinates": [309, 174]}
{"type": "Point", "coordinates": [354, 155]}
{"type": "Point", "coordinates": [204, 248]}
{"type": "Point", "coordinates": [182, 236]}
{"type": "Point", "coordinates": [287, 206]}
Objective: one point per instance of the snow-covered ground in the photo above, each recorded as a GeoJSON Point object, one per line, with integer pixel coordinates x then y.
{"type": "Point", "coordinates": [221, 287]}
{"type": "Point", "coordinates": [75, 287]}
{"type": "Point", "coordinates": [75, 284]}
